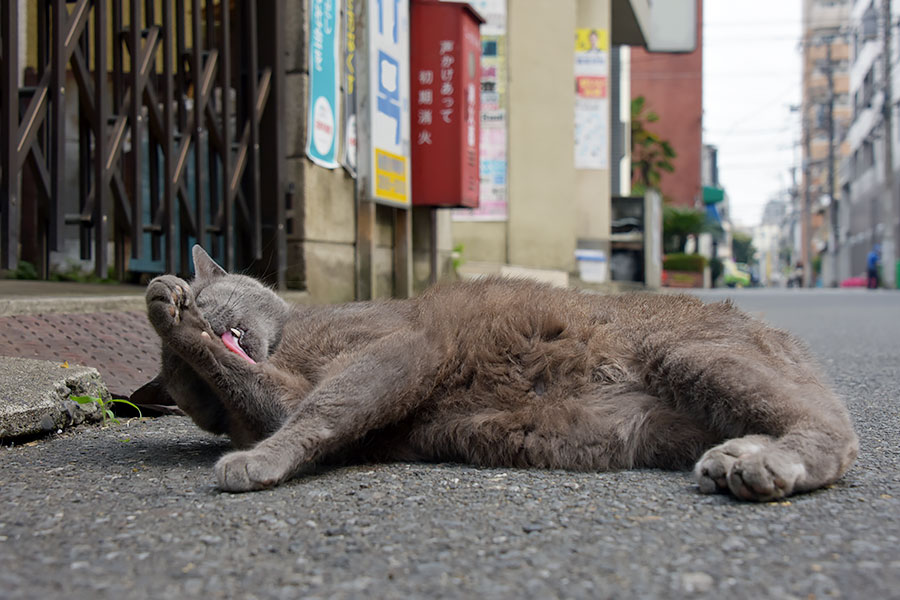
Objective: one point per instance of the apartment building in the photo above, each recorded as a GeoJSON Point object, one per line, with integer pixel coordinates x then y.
{"type": "Point", "coordinates": [863, 217]}
{"type": "Point", "coordinates": [827, 111]}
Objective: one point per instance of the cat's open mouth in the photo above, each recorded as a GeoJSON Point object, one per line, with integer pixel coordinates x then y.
{"type": "Point", "coordinates": [232, 340]}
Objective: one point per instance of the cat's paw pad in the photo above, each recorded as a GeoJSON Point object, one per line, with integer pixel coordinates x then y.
{"type": "Point", "coordinates": [764, 476]}
{"type": "Point", "coordinates": [749, 469]}
{"type": "Point", "coordinates": [248, 470]}
{"type": "Point", "coordinates": [714, 466]}
{"type": "Point", "coordinates": [167, 298]}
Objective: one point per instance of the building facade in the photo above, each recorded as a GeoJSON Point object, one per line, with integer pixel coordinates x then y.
{"type": "Point", "coordinates": [553, 192]}
{"type": "Point", "coordinates": [870, 210]}
{"type": "Point", "coordinates": [826, 113]}
{"type": "Point", "coordinates": [672, 85]}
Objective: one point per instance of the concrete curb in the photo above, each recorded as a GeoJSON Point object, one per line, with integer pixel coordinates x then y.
{"type": "Point", "coordinates": [74, 304]}
{"type": "Point", "coordinates": [36, 396]}
{"type": "Point", "coordinates": [32, 305]}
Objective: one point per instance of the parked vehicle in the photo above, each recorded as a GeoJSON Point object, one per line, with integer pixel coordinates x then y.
{"type": "Point", "coordinates": [733, 276]}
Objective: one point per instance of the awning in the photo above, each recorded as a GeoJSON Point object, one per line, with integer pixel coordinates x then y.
{"type": "Point", "coordinates": [713, 219]}
{"type": "Point", "coordinates": [713, 195]}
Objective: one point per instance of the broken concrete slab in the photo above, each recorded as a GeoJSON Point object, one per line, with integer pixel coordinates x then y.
{"type": "Point", "coordinates": [36, 396]}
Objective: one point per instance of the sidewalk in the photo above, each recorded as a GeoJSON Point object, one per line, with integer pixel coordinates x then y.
{"type": "Point", "coordinates": [59, 340]}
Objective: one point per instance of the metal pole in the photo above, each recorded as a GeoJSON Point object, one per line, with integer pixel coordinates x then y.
{"type": "Point", "coordinates": [888, 248]}
{"type": "Point", "coordinates": [9, 139]}
{"type": "Point", "coordinates": [804, 208]}
{"type": "Point", "coordinates": [833, 204]}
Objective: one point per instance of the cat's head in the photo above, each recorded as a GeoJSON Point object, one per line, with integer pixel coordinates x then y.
{"type": "Point", "coordinates": [244, 313]}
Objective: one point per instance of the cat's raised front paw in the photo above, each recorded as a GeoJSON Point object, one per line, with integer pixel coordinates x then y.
{"type": "Point", "coordinates": [167, 297]}
{"type": "Point", "coordinates": [751, 468]}
{"type": "Point", "coordinates": [248, 470]}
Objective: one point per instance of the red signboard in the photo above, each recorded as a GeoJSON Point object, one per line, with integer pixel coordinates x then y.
{"type": "Point", "coordinates": [445, 74]}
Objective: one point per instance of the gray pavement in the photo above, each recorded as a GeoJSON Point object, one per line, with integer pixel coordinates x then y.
{"type": "Point", "coordinates": [130, 510]}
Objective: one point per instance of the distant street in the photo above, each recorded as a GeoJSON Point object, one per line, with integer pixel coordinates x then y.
{"type": "Point", "coordinates": [130, 511]}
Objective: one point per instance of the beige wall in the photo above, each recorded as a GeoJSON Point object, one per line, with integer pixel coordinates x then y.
{"type": "Point", "coordinates": [553, 207]}
{"type": "Point", "coordinates": [592, 187]}
{"type": "Point", "coordinates": [542, 214]}
{"type": "Point", "coordinates": [481, 241]}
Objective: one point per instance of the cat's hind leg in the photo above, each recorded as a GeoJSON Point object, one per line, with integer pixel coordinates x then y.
{"type": "Point", "coordinates": [786, 432]}
{"type": "Point", "coordinates": [765, 467]}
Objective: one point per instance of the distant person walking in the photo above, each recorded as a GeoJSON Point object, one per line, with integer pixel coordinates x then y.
{"type": "Point", "coordinates": [796, 278]}
{"type": "Point", "coordinates": [872, 261]}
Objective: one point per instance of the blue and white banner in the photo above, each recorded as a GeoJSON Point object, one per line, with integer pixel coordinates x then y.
{"type": "Point", "coordinates": [322, 128]}
{"type": "Point", "coordinates": [388, 63]}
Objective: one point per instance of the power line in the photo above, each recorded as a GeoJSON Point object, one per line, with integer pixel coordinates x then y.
{"type": "Point", "coordinates": [751, 23]}
{"type": "Point", "coordinates": [776, 100]}
{"type": "Point", "coordinates": [691, 74]}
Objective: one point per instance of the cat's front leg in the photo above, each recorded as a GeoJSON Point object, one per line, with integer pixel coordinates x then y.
{"type": "Point", "coordinates": [371, 388]}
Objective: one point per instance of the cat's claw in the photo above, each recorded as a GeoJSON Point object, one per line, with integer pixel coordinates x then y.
{"type": "Point", "coordinates": [248, 470]}
{"type": "Point", "coordinates": [748, 468]}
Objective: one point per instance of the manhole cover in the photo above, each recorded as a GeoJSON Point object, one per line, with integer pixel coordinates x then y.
{"type": "Point", "coordinates": [121, 345]}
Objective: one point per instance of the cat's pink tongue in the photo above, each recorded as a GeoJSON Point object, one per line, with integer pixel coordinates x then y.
{"type": "Point", "coordinates": [232, 344]}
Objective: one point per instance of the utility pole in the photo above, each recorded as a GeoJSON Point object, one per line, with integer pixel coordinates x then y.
{"type": "Point", "coordinates": [888, 251]}
{"type": "Point", "coordinates": [833, 204]}
{"type": "Point", "coordinates": [805, 233]}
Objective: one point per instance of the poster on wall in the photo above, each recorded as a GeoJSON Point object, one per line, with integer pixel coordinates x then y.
{"type": "Point", "coordinates": [322, 124]}
{"type": "Point", "coordinates": [591, 99]}
{"type": "Point", "coordinates": [494, 13]}
{"type": "Point", "coordinates": [348, 148]}
{"type": "Point", "coordinates": [492, 139]}
{"type": "Point", "coordinates": [389, 102]}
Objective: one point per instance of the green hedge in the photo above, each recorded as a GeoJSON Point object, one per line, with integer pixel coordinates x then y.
{"type": "Point", "coordinates": [684, 262]}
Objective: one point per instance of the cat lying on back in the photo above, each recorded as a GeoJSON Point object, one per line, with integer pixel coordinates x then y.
{"type": "Point", "coordinates": [497, 373]}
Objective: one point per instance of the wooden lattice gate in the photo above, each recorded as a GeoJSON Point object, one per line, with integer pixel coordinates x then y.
{"type": "Point", "coordinates": [179, 134]}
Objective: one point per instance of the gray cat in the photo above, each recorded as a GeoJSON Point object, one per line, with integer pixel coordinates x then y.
{"type": "Point", "coordinates": [497, 373]}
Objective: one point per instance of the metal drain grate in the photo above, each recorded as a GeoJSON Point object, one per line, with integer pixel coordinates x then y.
{"type": "Point", "coordinates": [121, 345]}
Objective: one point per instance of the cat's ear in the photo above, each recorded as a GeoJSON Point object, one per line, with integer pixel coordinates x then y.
{"type": "Point", "coordinates": [204, 266]}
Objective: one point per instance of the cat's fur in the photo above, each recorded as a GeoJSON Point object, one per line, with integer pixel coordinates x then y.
{"type": "Point", "coordinates": [499, 373]}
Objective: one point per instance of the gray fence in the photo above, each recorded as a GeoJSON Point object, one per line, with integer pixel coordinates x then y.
{"type": "Point", "coordinates": [176, 108]}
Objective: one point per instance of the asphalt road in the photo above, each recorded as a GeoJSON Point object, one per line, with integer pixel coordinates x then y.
{"type": "Point", "coordinates": [130, 511]}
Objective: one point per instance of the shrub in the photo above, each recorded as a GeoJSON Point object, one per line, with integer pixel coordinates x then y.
{"type": "Point", "coordinates": [684, 262]}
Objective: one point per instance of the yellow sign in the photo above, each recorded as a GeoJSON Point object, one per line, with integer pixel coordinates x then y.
{"type": "Point", "coordinates": [390, 177]}
{"type": "Point", "coordinates": [591, 40]}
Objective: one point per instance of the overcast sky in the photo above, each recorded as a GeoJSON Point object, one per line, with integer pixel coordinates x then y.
{"type": "Point", "coordinates": [751, 77]}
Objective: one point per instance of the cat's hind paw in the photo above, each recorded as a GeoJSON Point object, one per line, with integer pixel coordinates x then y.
{"type": "Point", "coordinates": [749, 468]}
{"type": "Point", "coordinates": [249, 470]}
{"type": "Point", "coordinates": [167, 298]}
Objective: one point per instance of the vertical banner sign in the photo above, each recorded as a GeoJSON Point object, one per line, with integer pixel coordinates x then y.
{"type": "Point", "coordinates": [348, 152]}
{"type": "Point", "coordinates": [322, 123]}
{"type": "Point", "coordinates": [388, 34]}
{"type": "Point", "coordinates": [591, 99]}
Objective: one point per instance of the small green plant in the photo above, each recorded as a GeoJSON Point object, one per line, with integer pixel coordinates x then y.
{"type": "Point", "coordinates": [457, 256]}
{"type": "Point", "coordinates": [25, 270]}
{"type": "Point", "coordinates": [73, 271]}
{"type": "Point", "coordinates": [106, 406]}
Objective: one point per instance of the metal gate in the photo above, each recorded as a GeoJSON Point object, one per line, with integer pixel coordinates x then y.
{"type": "Point", "coordinates": [177, 106]}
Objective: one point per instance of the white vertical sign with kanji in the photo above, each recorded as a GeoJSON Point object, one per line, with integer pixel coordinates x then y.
{"type": "Point", "coordinates": [389, 102]}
